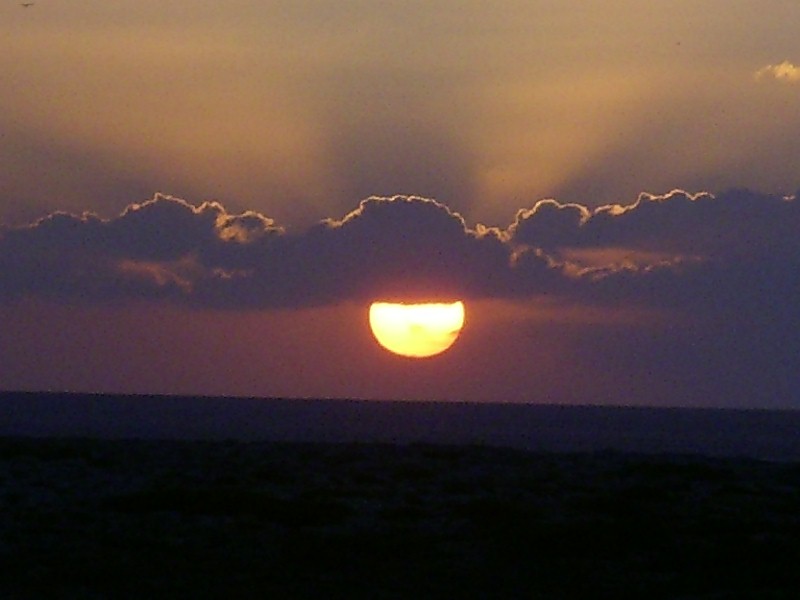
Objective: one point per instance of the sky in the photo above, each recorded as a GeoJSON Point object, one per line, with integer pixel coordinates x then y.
{"type": "Point", "coordinates": [204, 198]}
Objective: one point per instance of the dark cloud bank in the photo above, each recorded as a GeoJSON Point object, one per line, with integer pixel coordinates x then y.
{"type": "Point", "coordinates": [680, 251]}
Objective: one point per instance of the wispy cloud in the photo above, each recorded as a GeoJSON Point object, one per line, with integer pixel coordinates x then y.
{"type": "Point", "coordinates": [785, 72]}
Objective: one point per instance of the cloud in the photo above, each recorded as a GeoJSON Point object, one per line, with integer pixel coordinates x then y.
{"type": "Point", "coordinates": [676, 250]}
{"type": "Point", "coordinates": [164, 247]}
{"type": "Point", "coordinates": [398, 247]}
{"type": "Point", "coordinates": [677, 223]}
{"type": "Point", "coordinates": [785, 72]}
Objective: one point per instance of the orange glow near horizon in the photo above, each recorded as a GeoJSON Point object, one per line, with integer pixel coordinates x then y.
{"type": "Point", "coordinates": [416, 330]}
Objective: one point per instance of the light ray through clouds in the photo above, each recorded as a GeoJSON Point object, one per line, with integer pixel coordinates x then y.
{"type": "Point", "coordinates": [297, 109]}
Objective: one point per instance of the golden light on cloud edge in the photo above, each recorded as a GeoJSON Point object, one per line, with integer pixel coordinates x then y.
{"type": "Point", "coordinates": [785, 72]}
{"type": "Point", "coordinates": [416, 330]}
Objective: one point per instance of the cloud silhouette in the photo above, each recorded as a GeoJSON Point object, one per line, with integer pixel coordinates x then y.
{"type": "Point", "coordinates": [735, 222]}
{"type": "Point", "coordinates": [687, 250]}
{"type": "Point", "coordinates": [160, 248]}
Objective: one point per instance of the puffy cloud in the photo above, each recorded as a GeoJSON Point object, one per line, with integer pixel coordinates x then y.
{"type": "Point", "coordinates": [162, 247]}
{"type": "Point", "coordinates": [678, 250]}
{"type": "Point", "coordinates": [735, 253]}
{"type": "Point", "coordinates": [549, 224]}
{"type": "Point", "coordinates": [409, 245]}
{"type": "Point", "coordinates": [737, 222]}
{"type": "Point", "coordinates": [398, 247]}
{"type": "Point", "coordinates": [785, 72]}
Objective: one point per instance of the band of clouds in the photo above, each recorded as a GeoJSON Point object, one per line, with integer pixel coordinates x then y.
{"type": "Point", "coordinates": [678, 250]}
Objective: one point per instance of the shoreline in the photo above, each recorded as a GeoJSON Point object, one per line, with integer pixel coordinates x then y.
{"type": "Point", "coordinates": [750, 433]}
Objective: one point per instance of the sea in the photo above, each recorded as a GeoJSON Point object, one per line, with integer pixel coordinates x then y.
{"type": "Point", "coordinates": [755, 434]}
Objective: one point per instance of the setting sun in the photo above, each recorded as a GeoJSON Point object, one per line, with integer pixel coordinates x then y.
{"type": "Point", "coordinates": [416, 330]}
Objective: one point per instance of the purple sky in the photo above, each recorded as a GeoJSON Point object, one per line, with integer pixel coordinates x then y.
{"type": "Point", "coordinates": [205, 197]}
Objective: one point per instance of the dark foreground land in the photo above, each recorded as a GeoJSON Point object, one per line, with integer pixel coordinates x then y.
{"type": "Point", "coordinates": [145, 519]}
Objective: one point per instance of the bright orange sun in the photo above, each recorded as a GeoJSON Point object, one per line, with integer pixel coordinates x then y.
{"type": "Point", "coordinates": [416, 330]}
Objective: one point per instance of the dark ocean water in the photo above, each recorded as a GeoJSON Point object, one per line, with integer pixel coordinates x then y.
{"type": "Point", "coordinates": [763, 434]}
